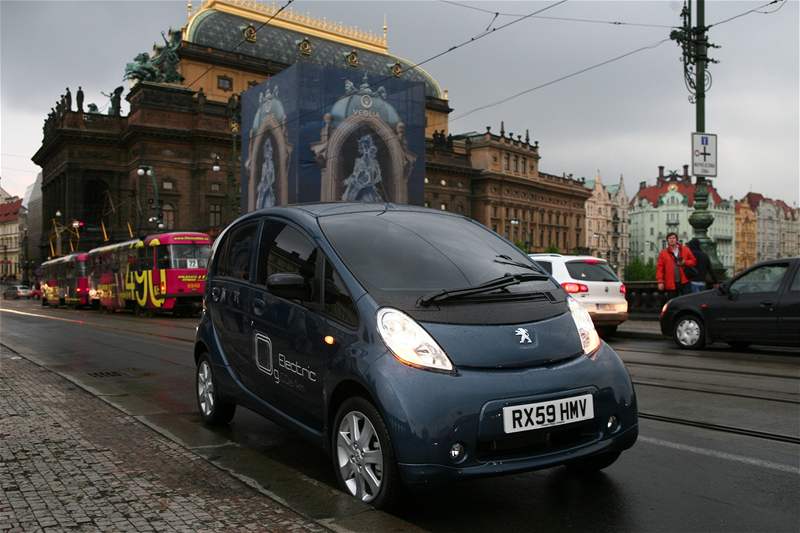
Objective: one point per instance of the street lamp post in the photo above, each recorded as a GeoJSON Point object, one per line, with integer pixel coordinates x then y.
{"type": "Point", "coordinates": [157, 219]}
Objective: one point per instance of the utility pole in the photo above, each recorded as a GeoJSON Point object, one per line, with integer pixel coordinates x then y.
{"type": "Point", "coordinates": [694, 43]}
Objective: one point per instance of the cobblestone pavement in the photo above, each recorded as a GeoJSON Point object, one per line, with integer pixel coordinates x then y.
{"type": "Point", "coordinates": [70, 462]}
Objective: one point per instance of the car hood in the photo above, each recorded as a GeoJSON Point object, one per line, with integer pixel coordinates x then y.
{"type": "Point", "coordinates": [499, 346]}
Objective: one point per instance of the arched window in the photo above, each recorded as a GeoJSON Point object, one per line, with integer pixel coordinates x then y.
{"type": "Point", "coordinates": [169, 216]}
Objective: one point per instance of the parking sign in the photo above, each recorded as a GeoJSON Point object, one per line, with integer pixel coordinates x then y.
{"type": "Point", "coordinates": [704, 154]}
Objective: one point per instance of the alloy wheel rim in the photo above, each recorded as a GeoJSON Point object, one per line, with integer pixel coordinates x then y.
{"type": "Point", "coordinates": [205, 388]}
{"type": "Point", "coordinates": [688, 332]}
{"type": "Point", "coordinates": [359, 456]}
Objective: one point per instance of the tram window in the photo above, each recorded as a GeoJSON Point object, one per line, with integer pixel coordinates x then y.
{"type": "Point", "coordinates": [162, 256]}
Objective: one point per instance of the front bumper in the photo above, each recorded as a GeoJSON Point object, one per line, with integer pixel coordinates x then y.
{"type": "Point", "coordinates": [422, 474]}
{"type": "Point", "coordinates": [428, 412]}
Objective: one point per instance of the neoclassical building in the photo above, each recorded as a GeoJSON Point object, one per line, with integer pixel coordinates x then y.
{"type": "Point", "coordinates": [174, 159]}
{"type": "Point", "coordinates": [777, 227]}
{"type": "Point", "coordinates": [607, 222]}
{"type": "Point", "coordinates": [665, 207]}
{"type": "Point", "coordinates": [746, 224]}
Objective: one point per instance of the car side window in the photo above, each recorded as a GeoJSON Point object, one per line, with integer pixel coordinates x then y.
{"type": "Point", "coordinates": [284, 249]}
{"type": "Point", "coordinates": [547, 266]}
{"type": "Point", "coordinates": [796, 283]}
{"type": "Point", "coordinates": [239, 248]}
{"type": "Point", "coordinates": [337, 301]}
{"type": "Point", "coordinates": [765, 278]}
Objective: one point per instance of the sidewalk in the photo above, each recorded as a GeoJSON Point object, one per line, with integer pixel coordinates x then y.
{"type": "Point", "coordinates": [69, 461]}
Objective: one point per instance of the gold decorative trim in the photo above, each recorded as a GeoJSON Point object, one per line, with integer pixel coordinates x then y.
{"type": "Point", "coordinates": [292, 20]}
{"type": "Point", "coordinates": [250, 34]}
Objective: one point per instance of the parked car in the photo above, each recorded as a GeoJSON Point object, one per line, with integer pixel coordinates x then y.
{"type": "Point", "coordinates": [759, 306]}
{"type": "Point", "coordinates": [15, 292]}
{"type": "Point", "coordinates": [593, 283]}
{"type": "Point", "coordinates": [413, 345]}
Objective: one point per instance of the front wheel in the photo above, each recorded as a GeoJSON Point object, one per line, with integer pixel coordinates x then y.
{"type": "Point", "coordinates": [213, 410]}
{"type": "Point", "coordinates": [593, 463]}
{"type": "Point", "coordinates": [363, 457]}
{"type": "Point", "coordinates": [689, 332]}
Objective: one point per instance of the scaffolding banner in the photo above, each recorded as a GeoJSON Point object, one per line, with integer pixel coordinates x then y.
{"type": "Point", "coordinates": [315, 133]}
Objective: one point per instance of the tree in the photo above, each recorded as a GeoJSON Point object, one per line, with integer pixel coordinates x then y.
{"type": "Point", "coordinates": [638, 270]}
{"type": "Point", "coordinates": [552, 249]}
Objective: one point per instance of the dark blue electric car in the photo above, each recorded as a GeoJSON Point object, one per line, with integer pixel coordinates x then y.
{"type": "Point", "coordinates": [413, 345]}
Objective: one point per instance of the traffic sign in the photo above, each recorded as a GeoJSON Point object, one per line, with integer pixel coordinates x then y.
{"type": "Point", "coordinates": [704, 154]}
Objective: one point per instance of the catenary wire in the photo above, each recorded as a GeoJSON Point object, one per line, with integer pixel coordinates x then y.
{"type": "Point", "coordinates": [563, 19]}
{"type": "Point", "coordinates": [278, 12]}
{"type": "Point", "coordinates": [561, 78]}
{"type": "Point", "coordinates": [754, 10]}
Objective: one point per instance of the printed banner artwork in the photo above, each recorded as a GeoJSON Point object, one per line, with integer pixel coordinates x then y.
{"type": "Point", "coordinates": [315, 133]}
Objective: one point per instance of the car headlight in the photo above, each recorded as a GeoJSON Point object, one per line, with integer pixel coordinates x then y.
{"type": "Point", "coordinates": [409, 342]}
{"type": "Point", "coordinates": [590, 340]}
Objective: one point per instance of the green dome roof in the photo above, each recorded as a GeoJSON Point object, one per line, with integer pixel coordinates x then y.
{"type": "Point", "coordinates": [224, 31]}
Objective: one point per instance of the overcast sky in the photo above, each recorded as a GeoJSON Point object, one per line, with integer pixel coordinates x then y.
{"type": "Point", "coordinates": [627, 117]}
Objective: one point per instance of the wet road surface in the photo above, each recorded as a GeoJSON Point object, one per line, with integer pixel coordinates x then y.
{"type": "Point", "coordinates": [719, 446]}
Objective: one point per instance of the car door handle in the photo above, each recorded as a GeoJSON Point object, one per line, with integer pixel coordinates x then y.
{"type": "Point", "coordinates": [216, 293]}
{"type": "Point", "coordinates": [766, 304]}
{"type": "Point", "coordinates": [259, 306]}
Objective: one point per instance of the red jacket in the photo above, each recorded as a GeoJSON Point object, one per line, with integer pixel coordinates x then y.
{"type": "Point", "coordinates": [665, 267]}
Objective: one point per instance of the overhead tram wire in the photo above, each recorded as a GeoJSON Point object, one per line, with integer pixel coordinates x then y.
{"type": "Point", "coordinates": [562, 19]}
{"type": "Point", "coordinates": [278, 12]}
{"type": "Point", "coordinates": [754, 10]}
{"type": "Point", "coordinates": [561, 78]}
{"type": "Point", "coordinates": [423, 62]}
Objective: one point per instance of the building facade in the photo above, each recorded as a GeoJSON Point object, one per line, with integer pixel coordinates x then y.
{"type": "Point", "coordinates": [11, 213]}
{"type": "Point", "coordinates": [746, 225]}
{"type": "Point", "coordinates": [665, 207]}
{"type": "Point", "coordinates": [777, 227]}
{"type": "Point", "coordinates": [182, 125]}
{"type": "Point", "coordinates": [607, 223]}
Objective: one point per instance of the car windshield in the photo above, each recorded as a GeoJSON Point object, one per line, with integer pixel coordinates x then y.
{"type": "Point", "coordinates": [591, 270]}
{"type": "Point", "coordinates": [189, 255]}
{"type": "Point", "coordinates": [418, 252]}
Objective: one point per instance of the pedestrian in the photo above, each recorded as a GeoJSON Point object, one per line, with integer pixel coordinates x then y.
{"type": "Point", "coordinates": [673, 261]}
{"type": "Point", "coordinates": [702, 270]}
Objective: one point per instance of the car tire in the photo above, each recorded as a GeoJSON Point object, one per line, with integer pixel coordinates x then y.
{"type": "Point", "coordinates": [365, 469]}
{"type": "Point", "coordinates": [593, 463]}
{"type": "Point", "coordinates": [607, 331]}
{"type": "Point", "coordinates": [689, 332]}
{"type": "Point", "coordinates": [214, 410]}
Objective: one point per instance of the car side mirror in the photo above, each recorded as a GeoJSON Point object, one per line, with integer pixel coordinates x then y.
{"type": "Point", "coordinates": [289, 285]}
{"type": "Point", "coordinates": [723, 288]}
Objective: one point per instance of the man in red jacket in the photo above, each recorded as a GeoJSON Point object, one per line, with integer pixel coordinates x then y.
{"type": "Point", "coordinates": [671, 265]}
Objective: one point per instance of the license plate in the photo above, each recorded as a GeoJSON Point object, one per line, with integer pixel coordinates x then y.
{"type": "Point", "coordinates": [532, 416]}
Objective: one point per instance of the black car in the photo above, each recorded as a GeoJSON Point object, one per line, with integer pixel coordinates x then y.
{"type": "Point", "coordinates": [759, 306]}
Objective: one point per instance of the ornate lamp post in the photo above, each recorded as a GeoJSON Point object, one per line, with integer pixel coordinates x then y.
{"type": "Point", "coordinates": [157, 219]}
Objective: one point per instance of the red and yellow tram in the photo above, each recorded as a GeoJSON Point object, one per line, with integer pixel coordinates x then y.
{"type": "Point", "coordinates": [65, 281]}
{"type": "Point", "coordinates": [162, 272]}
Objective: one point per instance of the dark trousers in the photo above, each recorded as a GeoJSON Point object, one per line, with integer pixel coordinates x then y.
{"type": "Point", "coordinates": [680, 291]}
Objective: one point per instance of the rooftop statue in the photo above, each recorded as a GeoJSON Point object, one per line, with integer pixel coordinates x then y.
{"type": "Point", "coordinates": [162, 67]}
{"type": "Point", "coordinates": [142, 69]}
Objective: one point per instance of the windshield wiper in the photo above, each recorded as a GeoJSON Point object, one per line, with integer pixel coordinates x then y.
{"type": "Point", "coordinates": [506, 260]}
{"type": "Point", "coordinates": [492, 285]}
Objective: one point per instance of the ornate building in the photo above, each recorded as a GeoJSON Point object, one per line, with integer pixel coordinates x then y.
{"type": "Point", "coordinates": [607, 222]}
{"type": "Point", "coordinates": [665, 207]}
{"type": "Point", "coordinates": [173, 161]}
{"type": "Point", "coordinates": [745, 236]}
{"type": "Point", "coordinates": [11, 215]}
{"type": "Point", "coordinates": [777, 227]}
